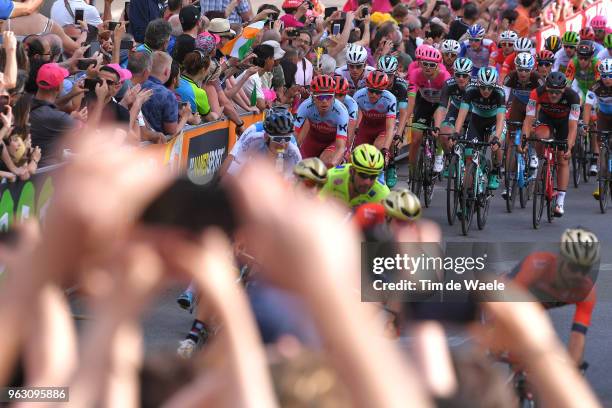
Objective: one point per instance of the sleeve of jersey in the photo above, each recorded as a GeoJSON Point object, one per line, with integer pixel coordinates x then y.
{"type": "Point", "coordinates": [574, 102]}
{"type": "Point", "coordinates": [462, 50]}
{"type": "Point", "coordinates": [532, 104]}
{"type": "Point", "coordinates": [300, 116]}
{"type": "Point", "coordinates": [466, 101]}
{"type": "Point", "coordinates": [584, 311]}
{"type": "Point", "coordinates": [392, 108]}
{"type": "Point", "coordinates": [413, 88]}
{"type": "Point", "coordinates": [570, 71]}
{"type": "Point", "coordinates": [501, 100]}
{"type": "Point", "coordinates": [342, 126]}
{"type": "Point", "coordinates": [443, 98]}
{"type": "Point", "coordinates": [591, 99]}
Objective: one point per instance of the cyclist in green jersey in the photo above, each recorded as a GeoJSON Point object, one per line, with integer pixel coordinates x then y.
{"type": "Point", "coordinates": [582, 71]}
{"type": "Point", "coordinates": [357, 183]}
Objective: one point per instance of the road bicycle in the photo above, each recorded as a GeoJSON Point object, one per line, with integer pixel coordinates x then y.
{"type": "Point", "coordinates": [545, 195]}
{"type": "Point", "coordinates": [581, 156]}
{"type": "Point", "coordinates": [423, 177]}
{"type": "Point", "coordinates": [518, 177]}
{"type": "Point", "coordinates": [605, 167]}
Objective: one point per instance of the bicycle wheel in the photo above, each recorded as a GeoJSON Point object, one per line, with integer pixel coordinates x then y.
{"type": "Point", "coordinates": [468, 197]}
{"type": "Point", "coordinates": [576, 160]}
{"type": "Point", "coordinates": [452, 190]}
{"type": "Point", "coordinates": [539, 198]}
{"type": "Point", "coordinates": [550, 204]}
{"type": "Point", "coordinates": [482, 209]}
{"type": "Point", "coordinates": [604, 181]}
{"type": "Point", "coordinates": [428, 182]}
{"type": "Point", "coordinates": [510, 177]}
{"type": "Point", "coordinates": [585, 159]}
{"type": "Point", "coordinates": [417, 179]}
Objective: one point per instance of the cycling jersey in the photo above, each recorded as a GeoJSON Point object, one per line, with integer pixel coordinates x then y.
{"type": "Point", "coordinates": [337, 186]}
{"type": "Point", "coordinates": [600, 98]}
{"type": "Point", "coordinates": [516, 90]}
{"type": "Point", "coordinates": [400, 90]}
{"type": "Point", "coordinates": [538, 274]}
{"type": "Point", "coordinates": [344, 72]}
{"type": "Point", "coordinates": [351, 107]}
{"type": "Point", "coordinates": [480, 57]}
{"type": "Point", "coordinates": [568, 106]}
{"type": "Point", "coordinates": [603, 54]}
{"type": "Point", "coordinates": [428, 89]}
{"type": "Point", "coordinates": [499, 57]}
{"type": "Point", "coordinates": [190, 92]}
{"type": "Point", "coordinates": [252, 143]}
{"type": "Point", "coordinates": [324, 130]}
{"type": "Point", "coordinates": [561, 61]}
{"type": "Point", "coordinates": [484, 107]}
{"type": "Point", "coordinates": [374, 116]}
{"type": "Point", "coordinates": [453, 94]}
{"type": "Point", "coordinates": [582, 80]}
{"type": "Point", "coordinates": [508, 66]}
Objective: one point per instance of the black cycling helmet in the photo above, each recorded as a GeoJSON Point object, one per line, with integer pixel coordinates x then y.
{"type": "Point", "coordinates": [278, 121]}
{"type": "Point", "coordinates": [556, 80]}
{"type": "Point", "coordinates": [585, 48]}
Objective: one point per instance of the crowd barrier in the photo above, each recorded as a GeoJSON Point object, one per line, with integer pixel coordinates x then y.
{"type": "Point", "coordinates": [198, 150]}
{"type": "Point", "coordinates": [574, 22]}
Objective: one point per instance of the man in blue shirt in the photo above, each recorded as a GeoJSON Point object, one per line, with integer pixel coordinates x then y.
{"type": "Point", "coordinates": [157, 36]}
{"type": "Point", "coordinates": [141, 13]}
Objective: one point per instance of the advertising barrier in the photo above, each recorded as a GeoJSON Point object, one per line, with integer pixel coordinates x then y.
{"type": "Point", "coordinates": [199, 150]}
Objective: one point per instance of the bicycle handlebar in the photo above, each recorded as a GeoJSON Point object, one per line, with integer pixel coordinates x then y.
{"type": "Point", "coordinates": [514, 123]}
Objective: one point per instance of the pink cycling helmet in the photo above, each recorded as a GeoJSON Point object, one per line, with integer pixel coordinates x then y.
{"type": "Point", "coordinates": [431, 54]}
{"type": "Point", "coordinates": [418, 53]}
{"type": "Point", "coordinates": [599, 22]}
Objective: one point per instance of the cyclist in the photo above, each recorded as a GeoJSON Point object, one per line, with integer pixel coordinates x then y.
{"type": "Point", "coordinates": [477, 48]}
{"type": "Point", "coordinates": [582, 70]}
{"type": "Point", "coordinates": [356, 183]}
{"type": "Point", "coordinates": [552, 43]}
{"type": "Point", "coordinates": [355, 71]}
{"type": "Point", "coordinates": [273, 135]}
{"type": "Point", "coordinates": [544, 62]}
{"type": "Point", "coordinates": [424, 87]}
{"type": "Point", "coordinates": [399, 88]}
{"type": "Point", "coordinates": [521, 45]}
{"type": "Point", "coordinates": [600, 28]}
{"type": "Point", "coordinates": [311, 173]}
{"type": "Point", "coordinates": [377, 113]}
{"type": "Point", "coordinates": [450, 101]}
{"type": "Point", "coordinates": [599, 97]}
{"type": "Point", "coordinates": [486, 101]}
{"type": "Point", "coordinates": [557, 108]}
{"type": "Point", "coordinates": [507, 39]}
{"type": "Point", "coordinates": [341, 90]}
{"type": "Point", "coordinates": [326, 133]}
{"type": "Point", "coordinates": [400, 208]}
{"type": "Point", "coordinates": [588, 34]}
{"type": "Point", "coordinates": [566, 278]}
{"type": "Point", "coordinates": [607, 51]}
{"type": "Point", "coordinates": [570, 40]}
{"type": "Point", "coordinates": [450, 51]}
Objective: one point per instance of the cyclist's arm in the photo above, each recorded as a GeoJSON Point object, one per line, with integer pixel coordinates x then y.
{"type": "Point", "coordinates": [530, 113]}
{"type": "Point", "coordinates": [576, 87]}
{"type": "Point", "coordinates": [341, 137]}
{"type": "Point", "coordinates": [339, 152]}
{"type": "Point", "coordinates": [389, 132]}
{"type": "Point", "coordinates": [439, 115]}
{"type": "Point", "coordinates": [499, 123]}
{"type": "Point", "coordinates": [582, 321]}
{"type": "Point", "coordinates": [226, 164]}
{"type": "Point", "coordinates": [573, 124]}
{"type": "Point", "coordinates": [589, 104]}
{"type": "Point", "coordinates": [463, 111]}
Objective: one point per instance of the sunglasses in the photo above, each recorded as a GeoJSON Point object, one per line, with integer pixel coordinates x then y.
{"type": "Point", "coordinates": [583, 58]}
{"type": "Point", "coordinates": [450, 54]}
{"type": "Point", "coordinates": [606, 76]}
{"type": "Point", "coordinates": [544, 63]}
{"type": "Point", "coordinates": [462, 75]}
{"type": "Point", "coordinates": [554, 91]}
{"type": "Point", "coordinates": [506, 44]}
{"type": "Point", "coordinates": [569, 47]}
{"type": "Point", "coordinates": [485, 88]}
{"type": "Point", "coordinates": [111, 83]}
{"type": "Point", "coordinates": [367, 176]}
{"type": "Point", "coordinates": [308, 183]}
{"type": "Point", "coordinates": [324, 97]}
{"type": "Point", "coordinates": [427, 64]}
{"type": "Point", "coordinates": [523, 70]}
{"type": "Point", "coordinates": [280, 139]}
{"type": "Point", "coordinates": [375, 91]}
{"type": "Point", "coordinates": [355, 66]}
{"type": "Point", "coordinates": [475, 39]}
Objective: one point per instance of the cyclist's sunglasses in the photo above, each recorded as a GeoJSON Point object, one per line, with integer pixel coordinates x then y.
{"type": "Point", "coordinates": [570, 47]}
{"type": "Point", "coordinates": [462, 75]}
{"type": "Point", "coordinates": [554, 91]}
{"type": "Point", "coordinates": [356, 66]}
{"type": "Point", "coordinates": [506, 44]}
{"type": "Point", "coordinates": [375, 91]}
{"type": "Point", "coordinates": [280, 139]}
{"type": "Point", "coordinates": [308, 183]}
{"type": "Point", "coordinates": [427, 64]}
{"type": "Point", "coordinates": [523, 70]}
{"type": "Point", "coordinates": [367, 176]}
{"type": "Point", "coordinates": [323, 97]}
{"type": "Point", "coordinates": [584, 58]}
{"type": "Point", "coordinates": [450, 54]}
{"type": "Point", "coordinates": [607, 76]}
{"type": "Point", "coordinates": [485, 88]}
{"type": "Point", "coordinates": [475, 39]}
{"type": "Point", "coordinates": [544, 63]}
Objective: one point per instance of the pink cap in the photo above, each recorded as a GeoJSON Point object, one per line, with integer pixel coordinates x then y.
{"type": "Point", "coordinates": [290, 21]}
{"type": "Point", "coordinates": [122, 72]}
{"type": "Point", "coordinates": [289, 4]}
{"type": "Point", "coordinates": [51, 76]}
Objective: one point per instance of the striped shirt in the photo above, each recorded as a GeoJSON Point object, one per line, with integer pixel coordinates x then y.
{"type": "Point", "coordinates": [222, 5]}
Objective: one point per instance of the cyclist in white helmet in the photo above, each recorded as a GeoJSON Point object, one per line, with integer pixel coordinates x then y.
{"type": "Point", "coordinates": [521, 45]}
{"type": "Point", "coordinates": [355, 71]}
{"type": "Point", "coordinates": [505, 45]}
{"type": "Point", "coordinates": [450, 50]}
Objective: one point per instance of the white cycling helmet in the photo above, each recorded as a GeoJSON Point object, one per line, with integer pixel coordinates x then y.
{"type": "Point", "coordinates": [580, 246]}
{"type": "Point", "coordinates": [487, 76]}
{"type": "Point", "coordinates": [450, 46]}
{"type": "Point", "coordinates": [508, 36]}
{"type": "Point", "coordinates": [388, 64]}
{"type": "Point", "coordinates": [356, 54]}
{"type": "Point", "coordinates": [523, 45]}
{"type": "Point", "coordinates": [605, 66]}
{"type": "Point", "coordinates": [463, 66]}
{"type": "Point", "coordinates": [524, 60]}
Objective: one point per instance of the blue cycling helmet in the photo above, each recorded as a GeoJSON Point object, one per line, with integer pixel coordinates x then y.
{"type": "Point", "coordinates": [476, 31]}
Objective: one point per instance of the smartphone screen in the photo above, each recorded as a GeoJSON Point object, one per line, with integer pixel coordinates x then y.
{"type": "Point", "coordinates": [112, 25]}
{"type": "Point", "coordinates": [83, 64]}
{"type": "Point", "coordinates": [329, 11]}
{"type": "Point", "coordinates": [127, 11]}
{"type": "Point", "coordinates": [79, 15]}
{"type": "Point", "coordinates": [90, 84]}
{"type": "Point", "coordinates": [127, 44]}
{"type": "Point", "coordinates": [94, 47]}
{"type": "Point", "coordinates": [336, 29]}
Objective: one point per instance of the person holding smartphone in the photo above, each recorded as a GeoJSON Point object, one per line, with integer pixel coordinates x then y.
{"type": "Point", "coordinates": [73, 11]}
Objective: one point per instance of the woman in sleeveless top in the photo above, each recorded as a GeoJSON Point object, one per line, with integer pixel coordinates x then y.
{"type": "Point", "coordinates": [25, 25]}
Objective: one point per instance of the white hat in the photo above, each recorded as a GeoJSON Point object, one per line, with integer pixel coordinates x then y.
{"type": "Point", "coordinates": [278, 51]}
{"type": "Point", "coordinates": [221, 27]}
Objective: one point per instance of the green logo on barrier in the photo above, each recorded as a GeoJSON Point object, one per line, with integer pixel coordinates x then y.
{"type": "Point", "coordinates": [25, 205]}
{"type": "Point", "coordinates": [6, 210]}
{"type": "Point", "coordinates": [44, 198]}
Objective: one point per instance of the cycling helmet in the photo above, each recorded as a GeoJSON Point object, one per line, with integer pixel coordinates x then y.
{"type": "Point", "coordinates": [546, 55]}
{"type": "Point", "coordinates": [418, 53]}
{"type": "Point", "coordinates": [322, 84]}
{"type": "Point", "coordinates": [356, 54]}
{"type": "Point", "coordinates": [585, 48]}
{"type": "Point", "coordinates": [599, 22]}
{"type": "Point", "coordinates": [367, 159]}
{"type": "Point", "coordinates": [476, 31]}
{"type": "Point", "coordinates": [580, 246]}
{"type": "Point", "coordinates": [487, 76]}
{"type": "Point", "coordinates": [523, 45]}
{"type": "Point", "coordinates": [377, 80]}
{"type": "Point", "coordinates": [403, 205]}
{"type": "Point", "coordinates": [553, 43]}
{"type": "Point", "coordinates": [556, 80]}
{"type": "Point", "coordinates": [342, 85]}
{"type": "Point", "coordinates": [431, 54]}
{"type": "Point", "coordinates": [388, 64]}
{"type": "Point", "coordinates": [605, 66]}
{"type": "Point", "coordinates": [570, 38]}
{"type": "Point", "coordinates": [311, 168]}
{"type": "Point", "coordinates": [524, 60]}
{"type": "Point", "coordinates": [508, 36]}
{"type": "Point", "coordinates": [450, 46]}
{"type": "Point", "coordinates": [463, 66]}
{"type": "Point", "coordinates": [608, 41]}
{"type": "Point", "coordinates": [278, 121]}
{"type": "Point", "coordinates": [587, 33]}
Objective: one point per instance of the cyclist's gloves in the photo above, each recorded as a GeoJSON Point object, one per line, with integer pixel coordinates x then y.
{"type": "Point", "coordinates": [495, 141]}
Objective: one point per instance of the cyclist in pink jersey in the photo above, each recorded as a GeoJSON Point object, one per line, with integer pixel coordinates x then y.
{"type": "Point", "coordinates": [424, 88]}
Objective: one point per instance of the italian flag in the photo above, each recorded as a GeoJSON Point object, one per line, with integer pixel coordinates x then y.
{"type": "Point", "coordinates": [240, 46]}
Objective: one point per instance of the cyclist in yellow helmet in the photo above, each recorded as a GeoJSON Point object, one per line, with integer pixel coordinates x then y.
{"type": "Point", "coordinates": [357, 183]}
{"type": "Point", "coordinates": [311, 173]}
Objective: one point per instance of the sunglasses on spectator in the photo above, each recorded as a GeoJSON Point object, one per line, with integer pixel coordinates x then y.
{"type": "Point", "coordinates": [462, 75]}
{"type": "Point", "coordinates": [323, 97]}
{"type": "Point", "coordinates": [544, 63]}
{"type": "Point", "coordinates": [356, 66]}
{"type": "Point", "coordinates": [367, 176]}
{"type": "Point", "coordinates": [375, 91]}
{"type": "Point", "coordinates": [475, 39]}
{"type": "Point", "coordinates": [111, 83]}
{"type": "Point", "coordinates": [570, 47]}
{"type": "Point", "coordinates": [523, 70]}
{"type": "Point", "coordinates": [427, 64]}
{"type": "Point", "coordinates": [280, 139]}
{"type": "Point", "coordinates": [554, 91]}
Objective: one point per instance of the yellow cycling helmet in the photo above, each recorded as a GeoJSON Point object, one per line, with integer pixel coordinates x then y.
{"type": "Point", "coordinates": [367, 159]}
{"type": "Point", "coordinates": [403, 205]}
{"type": "Point", "coordinates": [313, 169]}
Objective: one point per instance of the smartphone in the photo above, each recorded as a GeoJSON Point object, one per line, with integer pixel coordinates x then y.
{"type": "Point", "coordinates": [94, 47]}
{"type": "Point", "coordinates": [90, 84]}
{"type": "Point", "coordinates": [112, 25]}
{"type": "Point", "coordinates": [273, 16]}
{"type": "Point", "coordinates": [182, 104]}
{"type": "Point", "coordinates": [127, 44]}
{"type": "Point", "coordinates": [269, 24]}
{"type": "Point", "coordinates": [192, 207]}
{"type": "Point", "coordinates": [79, 15]}
{"type": "Point", "coordinates": [127, 11]}
{"type": "Point", "coordinates": [340, 24]}
{"type": "Point", "coordinates": [84, 63]}
{"type": "Point", "coordinates": [329, 11]}
{"type": "Point", "coordinates": [364, 12]}
{"type": "Point", "coordinates": [293, 33]}
{"type": "Point", "coordinates": [336, 29]}
{"type": "Point", "coordinates": [92, 34]}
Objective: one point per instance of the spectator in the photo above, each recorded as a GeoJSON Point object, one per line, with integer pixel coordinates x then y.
{"type": "Point", "coordinates": [63, 11]}
{"type": "Point", "coordinates": [185, 43]}
{"type": "Point", "coordinates": [21, 153]}
{"type": "Point", "coordinates": [12, 9]}
{"type": "Point", "coordinates": [303, 44]}
{"type": "Point", "coordinates": [194, 70]}
{"type": "Point", "coordinates": [110, 110]}
{"type": "Point", "coordinates": [173, 9]}
{"type": "Point", "coordinates": [157, 36]}
{"type": "Point", "coordinates": [48, 123]}
{"type": "Point", "coordinates": [523, 20]}
{"type": "Point", "coordinates": [415, 32]}
{"type": "Point", "coordinates": [141, 13]}
{"type": "Point", "coordinates": [221, 28]}
{"type": "Point", "coordinates": [264, 62]}
{"type": "Point", "coordinates": [461, 25]}
{"type": "Point", "coordinates": [139, 64]}
{"type": "Point", "coordinates": [237, 11]}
